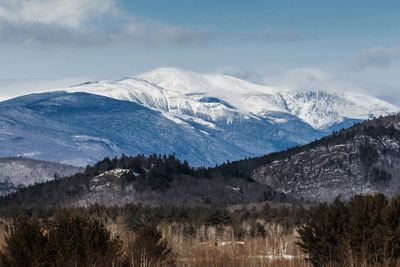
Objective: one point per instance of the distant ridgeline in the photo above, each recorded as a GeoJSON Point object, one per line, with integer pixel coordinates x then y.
{"type": "Point", "coordinates": [362, 159]}
{"type": "Point", "coordinates": [384, 126]}
{"type": "Point", "coordinates": [18, 172]}
{"type": "Point", "coordinates": [153, 180]}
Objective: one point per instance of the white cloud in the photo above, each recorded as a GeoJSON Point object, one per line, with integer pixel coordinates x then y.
{"type": "Point", "coordinates": [241, 73]}
{"type": "Point", "coordinates": [85, 23]}
{"type": "Point", "coordinates": [150, 32]}
{"type": "Point", "coordinates": [309, 75]}
{"type": "Point", "coordinates": [317, 79]}
{"type": "Point", "coordinates": [63, 13]}
{"type": "Point", "coordinates": [303, 78]}
{"type": "Point", "coordinates": [10, 88]}
{"type": "Point", "coordinates": [377, 56]}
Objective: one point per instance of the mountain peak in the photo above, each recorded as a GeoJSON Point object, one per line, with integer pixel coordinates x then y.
{"type": "Point", "coordinates": [181, 93]}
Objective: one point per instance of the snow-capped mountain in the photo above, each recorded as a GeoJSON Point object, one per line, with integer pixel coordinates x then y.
{"type": "Point", "coordinates": [81, 128]}
{"type": "Point", "coordinates": [212, 98]}
{"type": "Point", "coordinates": [203, 118]}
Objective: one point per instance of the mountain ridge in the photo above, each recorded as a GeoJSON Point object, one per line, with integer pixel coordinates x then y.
{"type": "Point", "coordinates": [363, 159]}
{"type": "Point", "coordinates": [156, 180]}
{"type": "Point", "coordinates": [179, 92]}
{"type": "Point", "coordinates": [19, 172]}
{"type": "Point", "coordinates": [203, 118]}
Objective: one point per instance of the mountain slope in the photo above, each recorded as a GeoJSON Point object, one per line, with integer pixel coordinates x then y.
{"type": "Point", "coordinates": [362, 159]}
{"type": "Point", "coordinates": [19, 172]}
{"type": "Point", "coordinates": [80, 128]}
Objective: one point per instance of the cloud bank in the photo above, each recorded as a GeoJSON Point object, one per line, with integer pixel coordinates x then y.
{"type": "Point", "coordinates": [10, 88]}
{"type": "Point", "coordinates": [86, 23]}
{"type": "Point", "coordinates": [377, 57]}
{"type": "Point", "coordinates": [318, 79]}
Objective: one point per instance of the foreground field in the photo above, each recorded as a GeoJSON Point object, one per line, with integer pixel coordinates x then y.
{"type": "Point", "coordinates": [361, 232]}
{"type": "Point", "coordinates": [188, 236]}
{"type": "Point", "coordinates": [218, 247]}
{"type": "Point", "coordinates": [214, 247]}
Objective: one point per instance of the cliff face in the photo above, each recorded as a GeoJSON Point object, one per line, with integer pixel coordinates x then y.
{"type": "Point", "coordinates": [362, 159]}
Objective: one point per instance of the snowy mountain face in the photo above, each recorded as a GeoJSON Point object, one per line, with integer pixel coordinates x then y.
{"type": "Point", "coordinates": [80, 128]}
{"type": "Point", "coordinates": [220, 98]}
{"type": "Point", "coordinates": [205, 119]}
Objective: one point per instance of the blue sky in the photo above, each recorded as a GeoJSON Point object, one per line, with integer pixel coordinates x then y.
{"type": "Point", "coordinates": [313, 17]}
{"type": "Point", "coordinates": [338, 45]}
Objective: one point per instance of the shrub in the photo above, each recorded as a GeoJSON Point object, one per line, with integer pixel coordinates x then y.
{"type": "Point", "coordinates": [26, 245]}
{"type": "Point", "coordinates": [69, 240]}
{"type": "Point", "coordinates": [78, 241]}
{"type": "Point", "coordinates": [150, 249]}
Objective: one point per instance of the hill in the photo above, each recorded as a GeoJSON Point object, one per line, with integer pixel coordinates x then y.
{"type": "Point", "coordinates": [154, 180]}
{"type": "Point", "coordinates": [362, 159]}
{"type": "Point", "coordinates": [20, 172]}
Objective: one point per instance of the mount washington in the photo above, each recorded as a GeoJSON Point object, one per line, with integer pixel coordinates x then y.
{"type": "Point", "coordinates": [205, 119]}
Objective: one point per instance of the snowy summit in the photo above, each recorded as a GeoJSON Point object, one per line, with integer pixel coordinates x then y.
{"type": "Point", "coordinates": [209, 98]}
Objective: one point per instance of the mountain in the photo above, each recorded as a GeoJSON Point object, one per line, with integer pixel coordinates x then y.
{"type": "Point", "coordinates": [79, 128]}
{"type": "Point", "coordinates": [19, 172]}
{"type": "Point", "coordinates": [154, 180]}
{"type": "Point", "coordinates": [362, 159]}
{"type": "Point", "coordinates": [220, 99]}
{"type": "Point", "coordinates": [205, 119]}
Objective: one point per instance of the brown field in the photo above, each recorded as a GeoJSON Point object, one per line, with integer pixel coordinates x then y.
{"type": "Point", "coordinates": [216, 247]}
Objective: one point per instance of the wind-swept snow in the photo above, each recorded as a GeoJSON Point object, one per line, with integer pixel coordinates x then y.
{"type": "Point", "coordinates": [222, 98]}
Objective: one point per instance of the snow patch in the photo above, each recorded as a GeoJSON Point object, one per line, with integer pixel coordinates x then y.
{"type": "Point", "coordinates": [29, 154]}
{"type": "Point", "coordinates": [116, 172]}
